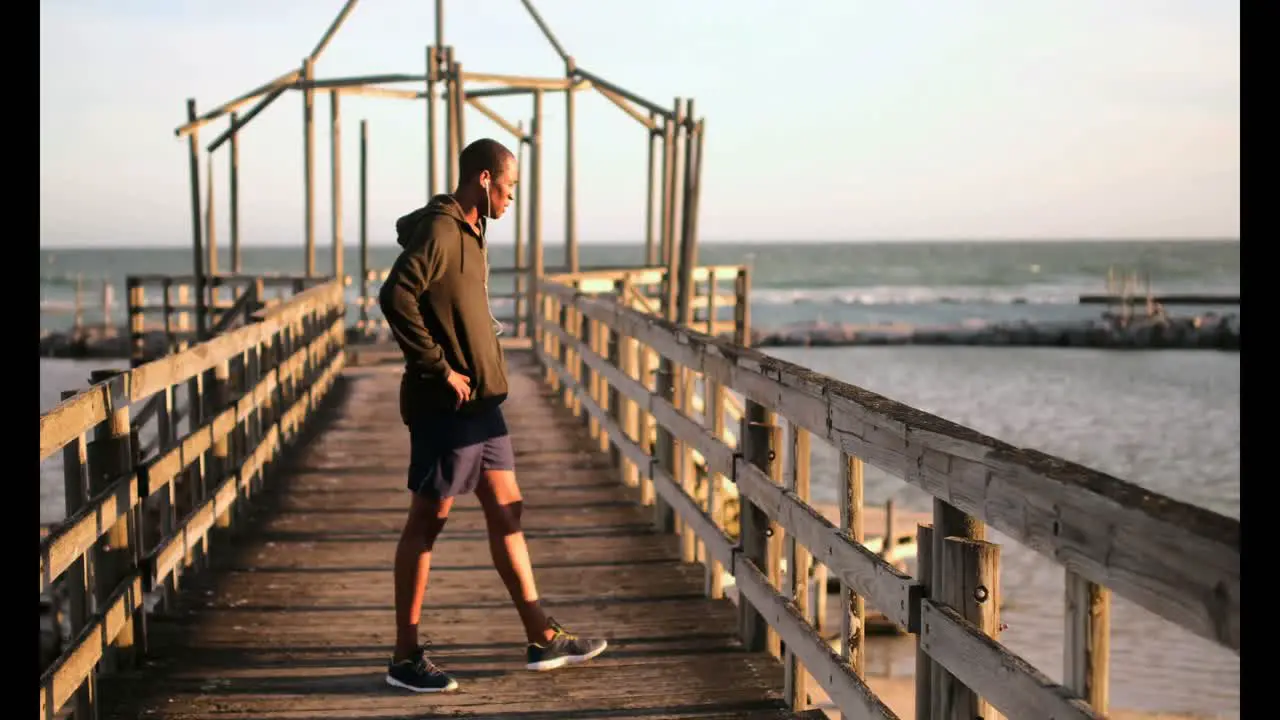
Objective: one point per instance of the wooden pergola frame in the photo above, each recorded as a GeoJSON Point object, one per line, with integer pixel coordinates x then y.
{"type": "Point", "coordinates": [674, 136]}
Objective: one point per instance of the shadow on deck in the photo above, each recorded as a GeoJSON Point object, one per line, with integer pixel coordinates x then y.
{"type": "Point", "coordinates": [295, 617]}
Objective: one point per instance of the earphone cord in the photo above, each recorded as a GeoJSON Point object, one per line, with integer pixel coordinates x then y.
{"type": "Point", "coordinates": [488, 207]}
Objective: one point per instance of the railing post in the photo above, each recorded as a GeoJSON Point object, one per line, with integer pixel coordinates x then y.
{"type": "Point", "coordinates": [166, 438]}
{"type": "Point", "coordinates": [972, 589]}
{"type": "Point", "coordinates": [925, 667]}
{"type": "Point", "coordinates": [219, 394]}
{"type": "Point", "coordinates": [713, 411]}
{"type": "Point", "coordinates": [664, 516]}
{"type": "Point", "coordinates": [948, 522]}
{"type": "Point", "coordinates": [853, 647]}
{"type": "Point", "coordinates": [78, 578]}
{"type": "Point", "coordinates": [755, 532]}
{"type": "Point", "coordinates": [135, 297]}
{"type": "Point", "coordinates": [1087, 641]}
{"type": "Point", "coordinates": [111, 457]}
{"type": "Point", "coordinates": [797, 564]}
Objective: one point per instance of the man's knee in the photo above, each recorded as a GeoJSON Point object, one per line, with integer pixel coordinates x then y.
{"type": "Point", "coordinates": [504, 520]}
{"type": "Point", "coordinates": [427, 518]}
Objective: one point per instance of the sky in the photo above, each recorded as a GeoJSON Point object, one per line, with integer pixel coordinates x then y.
{"type": "Point", "coordinates": [826, 120]}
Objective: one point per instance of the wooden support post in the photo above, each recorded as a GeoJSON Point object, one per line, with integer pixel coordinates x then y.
{"type": "Point", "coordinates": [742, 308]}
{"type": "Point", "coordinates": [972, 588]}
{"type": "Point", "coordinates": [672, 250]}
{"type": "Point", "coordinates": [948, 522]}
{"type": "Point", "coordinates": [645, 373]}
{"type": "Point", "coordinates": [1087, 641]}
{"type": "Point", "coordinates": [625, 409]}
{"type": "Point", "coordinates": [668, 175]}
{"type": "Point", "coordinates": [521, 301]}
{"type": "Point", "coordinates": [798, 560]}
{"type": "Point", "coordinates": [167, 436]}
{"type": "Point", "coordinates": [853, 618]}
{"type": "Point", "coordinates": [111, 457]}
{"type": "Point", "coordinates": [136, 298]}
{"type": "Point", "coordinates": [452, 82]}
{"type": "Point", "coordinates": [535, 205]}
{"type": "Point", "coordinates": [688, 239]}
{"type": "Point", "coordinates": [459, 101]}
{"type": "Point", "coordinates": [570, 212]}
{"type": "Point", "coordinates": [439, 23]}
{"type": "Point", "coordinates": [219, 393]}
{"type": "Point", "coordinates": [716, 397]}
{"type": "Point", "coordinates": [926, 669]}
{"type": "Point", "coordinates": [650, 245]}
{"type": "Point", "coordinates": [335, 179]}
{"type": "Point", "coordinates": [664, 517]}
{"type": "Point", "coordinates": [364, 225]}
{"type": "Point", "coordinates": [193, 154]}
{"type": "Point", "coordinates": [234, 172]}
{"type": "Point", "coordinates": [308, 167]}
{"type": "Point", "coordinates": [433, 75]}
{"type": "Point", "coordinates": [754, 526]}
{"type": "Point", "coordinates": [211, 244]}
{"type": "Point", "coordinates": [890, 531]}
{"type": "Point", "coordinates": [78, 579]}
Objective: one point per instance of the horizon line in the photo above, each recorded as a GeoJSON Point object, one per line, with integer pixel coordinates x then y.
{"type": "Point", "coordinates": [851, 241]}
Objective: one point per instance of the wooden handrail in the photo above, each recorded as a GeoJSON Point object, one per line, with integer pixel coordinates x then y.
{"type": "Point", "coordinates": [1176, 560]}
{"type": "Point", "coordinates": [253, 388]}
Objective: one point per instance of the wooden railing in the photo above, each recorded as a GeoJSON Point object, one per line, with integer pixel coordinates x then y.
{"type": "Point", "coordinates": [1175, 560]}
{"type": "Point", "coordinates": [228, 298]}
{"type": "Point", "coordinates": [646, 284]}
{"type": "Point", "coordinates": [85, 312]}
{"type": "Point", "coordinates": [137, 519]}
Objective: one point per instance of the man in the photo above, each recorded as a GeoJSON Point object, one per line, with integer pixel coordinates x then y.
{"type": "Point", "coordinates": [436, 302]}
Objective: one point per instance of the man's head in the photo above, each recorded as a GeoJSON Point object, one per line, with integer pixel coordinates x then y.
{"type": "Point", "coordinates": [487, 171]}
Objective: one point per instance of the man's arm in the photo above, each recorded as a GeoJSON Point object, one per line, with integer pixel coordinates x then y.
{"type": "Point", "coordinates": [411, 276]}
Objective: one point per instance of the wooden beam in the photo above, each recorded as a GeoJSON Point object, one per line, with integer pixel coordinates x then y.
{"type": "Point", "coordinates": [230, 106]}
{"type": "Point", "coordinates": [357, 80]}
{"type": "Point", "coordinates": [577, 86]}
{"type": "Point", "coordinates": [521, 81]}
{"type": "Point", "coordinates": [376, 91]}
{"type": "Point", "coordinates": [626, 107]}
{"type": "Point", "coordinates": [333, 29]}
{"type": "Point", "coordinates": [601, 82]}
{"type": "Point", "coordinates": [241, 122]}
{"type": "Point", "coordinates": [546, 31]}
{"type": "Point", "coordinates": [495, 117]}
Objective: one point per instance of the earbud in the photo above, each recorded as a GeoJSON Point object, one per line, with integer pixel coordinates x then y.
{"type": "Point", "coordinates": [484, 183]}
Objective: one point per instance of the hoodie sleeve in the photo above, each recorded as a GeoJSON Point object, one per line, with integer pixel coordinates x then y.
{"type": "Point", "coordinates": [411, 275]}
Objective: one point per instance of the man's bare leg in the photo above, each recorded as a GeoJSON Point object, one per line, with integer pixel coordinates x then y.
{"type": "Point", "coordinates": [502, 503]}
{"type": "Point", "coordinates": [426, 519]}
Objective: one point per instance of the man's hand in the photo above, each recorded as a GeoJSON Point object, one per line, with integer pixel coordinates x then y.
{"type": "Point", "coordinates": [461, 385]}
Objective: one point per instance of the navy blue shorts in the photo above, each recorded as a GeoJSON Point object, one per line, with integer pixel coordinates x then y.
{"type": "Point", "coordinates": [448, 451]}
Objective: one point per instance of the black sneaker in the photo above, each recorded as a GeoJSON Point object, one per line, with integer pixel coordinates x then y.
{"type": "Point", "coordinates": [563, 649]}
{"type": "Point", "coordinates": [419, 674]}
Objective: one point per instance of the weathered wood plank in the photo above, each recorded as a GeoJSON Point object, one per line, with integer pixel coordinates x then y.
{"type": "Point", "coordinates": [834, 675]}
{"type": "Point", "coordinates": [76, 534]}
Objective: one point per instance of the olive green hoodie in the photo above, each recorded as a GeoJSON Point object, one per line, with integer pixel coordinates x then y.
{"type": "Point", "coordinates": [436, 303]}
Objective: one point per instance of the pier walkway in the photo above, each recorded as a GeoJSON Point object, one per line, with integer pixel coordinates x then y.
{"type": "Point", "coordinates": [295, 619]}
{"type": "Point", "coordinates": [231, 558]}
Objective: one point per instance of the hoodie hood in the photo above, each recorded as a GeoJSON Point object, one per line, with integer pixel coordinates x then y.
{"type": "Point", "coordinates": [442, 204]}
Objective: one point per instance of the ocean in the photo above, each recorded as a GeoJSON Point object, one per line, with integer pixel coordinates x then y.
{"type": "Point", "coordinates": [1165, 419]}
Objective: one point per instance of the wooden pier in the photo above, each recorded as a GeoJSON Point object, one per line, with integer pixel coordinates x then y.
{"type": "Point", "coordinates": [230, 556]}
{"type": "Point", "coordinates": [295, 619]}
{"type": "Point", "coordinates": [240, 568]}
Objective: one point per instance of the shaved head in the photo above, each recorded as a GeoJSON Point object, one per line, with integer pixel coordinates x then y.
{"type": "Point", "coordinates": [483, 154]}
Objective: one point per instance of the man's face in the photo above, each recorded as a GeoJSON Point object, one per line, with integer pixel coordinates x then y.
{"type": "Point", "coordinates": [502, 188]}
